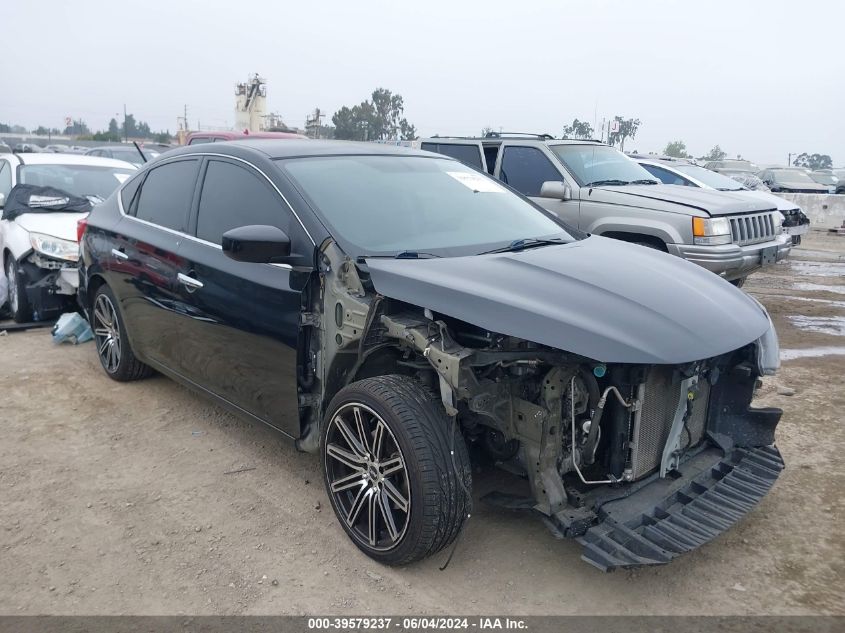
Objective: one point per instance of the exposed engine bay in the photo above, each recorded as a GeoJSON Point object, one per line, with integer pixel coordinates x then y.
{"type": "Point", "coordinates": [586, 434]}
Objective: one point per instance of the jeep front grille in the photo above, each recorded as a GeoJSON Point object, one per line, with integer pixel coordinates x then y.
{"type": "Point", "coordinates": [754, 228]}
{"type": "Point", "coordinates": [652, 423]}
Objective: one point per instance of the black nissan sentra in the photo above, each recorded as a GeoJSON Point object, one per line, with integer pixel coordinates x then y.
{"type": "Point", "coordinates": [391, 309]}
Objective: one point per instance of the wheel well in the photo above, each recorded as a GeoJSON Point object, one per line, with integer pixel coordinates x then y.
{"type": "Point", "coordinates": [637, 237]}
{"type": "Point", "coordinates": [94, 284]}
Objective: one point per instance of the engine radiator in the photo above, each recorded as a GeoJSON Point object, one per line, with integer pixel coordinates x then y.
{"type": "Point", "coordinates": [659, 396]}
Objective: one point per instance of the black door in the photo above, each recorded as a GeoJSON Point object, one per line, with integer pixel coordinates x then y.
{"type": "Point", "coordinates": [144, 263]}
{"type": "Point", "coordinates": [242, 335]}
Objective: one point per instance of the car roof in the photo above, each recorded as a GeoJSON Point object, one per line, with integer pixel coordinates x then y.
{"type": "Point", "coordinates": [245, 135]}
{"type": "Point", "coordinates": [289, 148]}
{"type": "Point", "coordinates": [72, 159]}
{"type": "Point", "coordinates": [662, 162]}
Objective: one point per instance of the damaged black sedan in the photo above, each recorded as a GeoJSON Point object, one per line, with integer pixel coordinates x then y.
{"type": "Point", "coordinates": [390, 308]}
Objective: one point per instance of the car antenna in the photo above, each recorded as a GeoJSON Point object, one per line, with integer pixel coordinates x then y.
{"type": "Point", "coordinates": [138, 147]}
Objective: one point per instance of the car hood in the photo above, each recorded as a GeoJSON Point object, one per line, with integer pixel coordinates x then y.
{"type": "Point", "coordinates": [806, 186]}
{"type": "Point", "coordinates": [781, 204]}
{"type": "Point", "coordinates": [59, 224]}
{"type": "Point", "coordinates": [600, 298]}
{"type": "Point", "coordinates": [670, 197]}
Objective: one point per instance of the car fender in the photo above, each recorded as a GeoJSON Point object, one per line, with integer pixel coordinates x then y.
{"type": "Point", "coordinates": [664, 231]}
{"type": "Point", "coordinates": [14, 239]}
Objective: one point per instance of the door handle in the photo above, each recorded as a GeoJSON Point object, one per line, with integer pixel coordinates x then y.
{"type": "Point", "coordinates": [119, 254]}
{"type": "Point", "coordinates": [190, 283]}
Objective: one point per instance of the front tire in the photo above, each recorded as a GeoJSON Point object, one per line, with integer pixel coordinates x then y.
{"type": "Point", "coordinates": [739, 283]}
{"type": "Point", "coordinates": [18, 303]}
{"type": "Point", "coordinates": [396, 469]}
{"type": "Point", "coordinates": [113, 347]}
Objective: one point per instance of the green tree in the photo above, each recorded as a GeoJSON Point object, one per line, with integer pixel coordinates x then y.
{"type": "Point", "coordinates": [129, 127]}
{"type": "Point", "coordinates": [114, 128]}
{"type": "Point", "coordinates": [163, 137]}
{"type": "Point", "coordinates": [676, 149]}
{"type": "Point", "coordinates": [77, 128]}
{"type": "Point", "coordinates": [578, 129]}
{"type": "Point", "coordinates": [627, 129]}
{"type": "Point", "coordinates": [5, 128]}
{"type": "Point", "coordinates": [813, 161]}
{"type": "Point", "coordinates": [380, 118]}
{"type": "Point", "coordinates": [715, 154]}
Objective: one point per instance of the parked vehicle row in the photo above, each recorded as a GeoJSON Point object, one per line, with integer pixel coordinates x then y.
{"type": "Point", "coordinates": [598, 189]}
{"type": "Point", "coordinates": [675, 172]}
{"type": "Point", "coordinates": [396, 311]}
{"type": "Point", "coordinates": [38, 234]}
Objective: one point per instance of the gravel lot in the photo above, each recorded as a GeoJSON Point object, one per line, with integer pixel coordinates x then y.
{"type": "Point", "coordinates": [119, 499]}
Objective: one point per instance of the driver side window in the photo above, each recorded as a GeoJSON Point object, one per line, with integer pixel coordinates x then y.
{"type": "Point", "coordinates": [5, 177]}
{"type": "Point", "coordinates": [526, 169]}
{"type": "Point", "coordinates": [234, 196]}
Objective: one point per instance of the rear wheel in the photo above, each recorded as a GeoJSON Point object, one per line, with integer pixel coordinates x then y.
{"type": "Point", "coordinates": [113, 348]}
{"type": "Point", "coordinates": [18, 303]}
{"type": "Point", "coordinates": [739, 283]}
{"type": "Point", "coordinates": [396, 469]}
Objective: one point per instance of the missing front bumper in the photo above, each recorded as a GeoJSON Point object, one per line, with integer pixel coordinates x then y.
{"type": "Point", "coordinates": [669, 517]}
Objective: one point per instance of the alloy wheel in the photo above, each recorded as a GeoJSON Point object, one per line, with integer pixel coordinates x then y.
{"type": "Point", "coordinates": [107, 333]}
{"type": "Point", "coordinates": [367, 476]}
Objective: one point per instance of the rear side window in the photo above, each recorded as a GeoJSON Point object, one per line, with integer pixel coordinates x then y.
{"type": "Point", "coordinates": [165, 198]}
{"type": "Point", "coordinates": [200, 139]}
{"type": "Point", "coordinates": [526, 169]}
{"type": "Point", "coordinates": [234, 196]}
{"type": "Point", "coordinates": [467, 154]}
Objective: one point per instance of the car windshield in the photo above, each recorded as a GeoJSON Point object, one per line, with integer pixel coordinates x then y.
{"type": "Point", "coordinates": [825, 179]}
{"type": "Point", "coordinates": [600, 164]}
{"type": "Point", "coordinates": [709, 178]}
{"type": "Point", "coordinates": [79, 180]}
{"type": "Point", "coordinates": [792, 175]}
{"type": "Point", "coordinates": [416, 206]}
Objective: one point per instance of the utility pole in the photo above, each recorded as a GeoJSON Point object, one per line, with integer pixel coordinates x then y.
{"type": "Point", "coordinates": [186, 117]}
{"type": "Point", "coordinates": [125, 130]}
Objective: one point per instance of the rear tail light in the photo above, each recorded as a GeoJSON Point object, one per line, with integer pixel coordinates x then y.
{"type": "Point", "coordinates": [81, 225]}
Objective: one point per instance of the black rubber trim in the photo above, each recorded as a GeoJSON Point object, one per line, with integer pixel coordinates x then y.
{"type": "Point", "coordinates": [708, 505]}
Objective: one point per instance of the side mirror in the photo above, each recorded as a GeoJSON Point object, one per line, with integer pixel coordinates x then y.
{"type": "Point", "coordinates": [258, 243]}
{"type": "Point", "coordinates": [556, 189]}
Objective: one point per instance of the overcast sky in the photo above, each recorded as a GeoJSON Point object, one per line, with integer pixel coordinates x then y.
{"type": "Point", "coordinates": [758, 78]}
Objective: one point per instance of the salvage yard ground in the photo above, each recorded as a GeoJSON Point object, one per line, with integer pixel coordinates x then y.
{"type": "Point", "coordinates": [145, 499]}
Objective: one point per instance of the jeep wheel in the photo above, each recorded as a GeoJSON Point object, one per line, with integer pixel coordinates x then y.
{"type": "Point", "coordinates": [113, 348]}
{"type": "Point", "coordinates": [396, 469]}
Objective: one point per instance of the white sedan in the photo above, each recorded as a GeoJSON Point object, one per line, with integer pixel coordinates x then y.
{"type": "Point", "coordinates": [39, 249]}
{"type": "Point", "coordinates": [682, 173]}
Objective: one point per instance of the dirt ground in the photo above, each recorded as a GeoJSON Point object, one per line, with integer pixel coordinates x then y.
{"type": "Point", "coordinates": [120, 499]}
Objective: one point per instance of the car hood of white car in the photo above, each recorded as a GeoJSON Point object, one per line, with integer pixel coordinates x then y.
{"type": "Point", "coordinates": [782, 203]}
{"type": "Point", "coordinates": [59, 224]}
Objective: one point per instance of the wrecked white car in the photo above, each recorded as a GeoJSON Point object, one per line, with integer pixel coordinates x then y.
{"type": "Point", "coordinates": [42, 198]}
{"type": "Point", "coordinates": [391, 308]}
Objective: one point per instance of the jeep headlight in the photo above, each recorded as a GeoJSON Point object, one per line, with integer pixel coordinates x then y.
{"type": "Point", "coordinates": [54, 247]}
{"type": "Point", "coordinates": [711, 231]}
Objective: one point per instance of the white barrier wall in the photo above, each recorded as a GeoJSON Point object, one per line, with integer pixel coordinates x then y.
{"type": "Point", "coordinates": [824, 210]}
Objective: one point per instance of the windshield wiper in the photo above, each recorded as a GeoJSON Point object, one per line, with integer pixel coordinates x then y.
{"type": "Point", "coordinates": [599, 183]}
{"type": "Point", "coordinates": [728, 189]}
{"type": "Point", "coordinates": [401, 255]}
{"type": "Point", "coordinates": [644, 181]}
{"type": "Point", "coordinates": [528, 242]}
